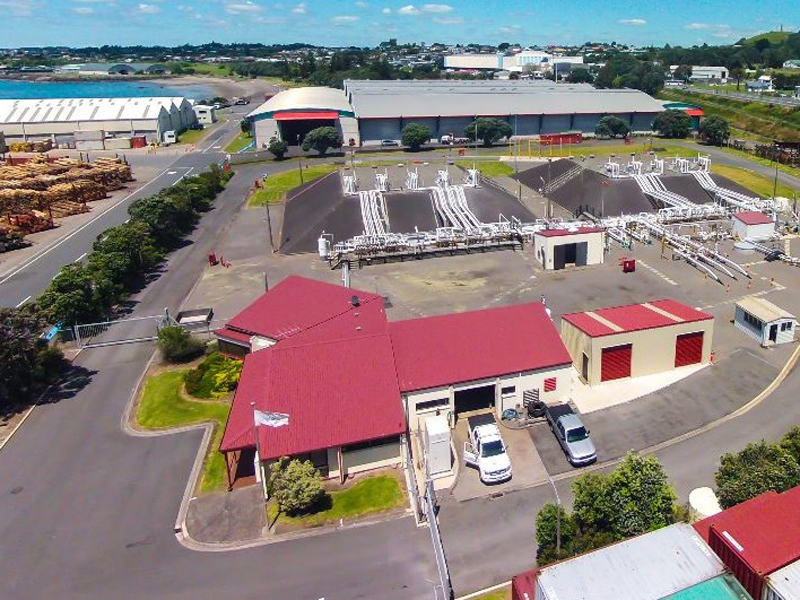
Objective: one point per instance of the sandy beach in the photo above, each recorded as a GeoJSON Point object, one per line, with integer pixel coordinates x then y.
{"type": "Point", "coordinates": [227, 88]}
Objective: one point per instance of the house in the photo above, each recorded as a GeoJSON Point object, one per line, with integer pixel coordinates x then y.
{"type": "Point", "coordinates": [637, 339]}
{"type": "Point", "coordinates": [759, 86]}
{"type": "Point", "coordinates": [791, 64]}
{"type": "Point", "coordinates": [205, 114]}
{"type": "Point", "coordinates": [766, 323]}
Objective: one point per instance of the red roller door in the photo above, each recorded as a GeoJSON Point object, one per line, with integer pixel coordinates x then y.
{"type": "Point", "coordinates": [616, 362]}
{"type": "Point", "coordinates": [689, 349]}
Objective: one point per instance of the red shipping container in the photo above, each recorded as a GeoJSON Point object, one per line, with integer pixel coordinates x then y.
{"type": "Point", "coordinates": [757, 537]}
{"type": "Point", "coordinates": [523, 586]}
{"type": "Point", "coordinates": [138, 141]}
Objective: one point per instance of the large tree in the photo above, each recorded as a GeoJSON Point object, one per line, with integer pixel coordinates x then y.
{"type": "Point", "coordinates": [758, 468]}
{"type": "Point", "coordinates": [278, 147]}
{"type": "Point", "coordinates": [674, 124]}
{"type": "Point", "coordinates": [555, 534]}
{"type": "Point", "coordinates": [611, 126]}
{"type": "Point", "coordinates": [580, 76]}
{"type": "Point", "coordinates": [714, 130]}
{"type": "Point", "coordinates": [321, 139]}
{"type": "Point", "coordinates": [488, 130]}
{"type": "Point", "coordinates": [70, 298]}
{"type": "Point", "coordinates": [296, 485]}
{"type": "Point", "coordinates": [414, 136]}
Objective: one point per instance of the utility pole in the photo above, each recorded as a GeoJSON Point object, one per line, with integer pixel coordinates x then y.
{"type": "Point", "coordinates": [300, 160]}
{"type": "Point", "coordinates": [775, 184]}
{"type": "Point", "coordinates": [516, 156]}
{"type": "Point", "coordinates": [558, 516]}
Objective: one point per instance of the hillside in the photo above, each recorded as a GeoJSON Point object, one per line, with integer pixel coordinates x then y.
{"type": "Point", "coordinates": [774, 37]}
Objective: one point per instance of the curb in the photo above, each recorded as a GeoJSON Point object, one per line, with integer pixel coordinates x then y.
{"type": "Point", "coordinates": [18, 425]}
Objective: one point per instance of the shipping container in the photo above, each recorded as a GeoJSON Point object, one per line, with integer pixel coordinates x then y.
{"type": "Point", "coordinates": [138, 141]}
{"type": "Point", "coordinates": [523, 585]}
{"type": "Point", "coordinates": [783, 584]}
{"type": "Point", "coordinates": [647, 567]}
{"type": "Point", "coordinates": [757, 537]}
{"type": "Point", "coordinates": [724, 587]}
{"type": "Point", "coordinates": [89, 136]}
{"type": "Point", "coordinates": [89, 145]}
{"type": "Point", "coordinates": [118, 143]}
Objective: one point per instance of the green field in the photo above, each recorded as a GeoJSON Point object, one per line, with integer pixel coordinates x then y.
{"type": "Point", "coordinates": [164, 406]}
{"type": "Point", "coordinates": [488, 168]}
{"type": "Point", "coordinates": [239, 143]}
{"type": "Point", "coordinates": [277, 186]}
{"type": "Point", "coordinates": [370, 495]}
{"type": "Point", "coordinates": [774, 37]}
{"type": "Point", "coordinates": [754, 182]}
{"type": "Point", "coordinates": [503, 593]}
{"type": "Point", "coordinates": [192, 136]}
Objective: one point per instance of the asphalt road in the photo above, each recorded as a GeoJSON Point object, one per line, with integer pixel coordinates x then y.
{"type": "Point", "coordinates": [87, 511]}
{"type": "Point", "coordinates": [30, 278]}
{"type": "Point", "coordinates": [787, 101]}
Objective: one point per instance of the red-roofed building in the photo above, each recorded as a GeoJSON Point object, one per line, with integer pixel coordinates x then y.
{"type": "Point", "coordinates": [497, 357]}
{"type": "Point", "coordinates": [637, 339]}
{"type": "Point", "coordinates": [757, 537]}
{"type": "Point", "coordinates": [753, 225]}
{"type": "Point", "coordinates": [295, 305]}
{"type": "Point", "coordinates": [558, 249]}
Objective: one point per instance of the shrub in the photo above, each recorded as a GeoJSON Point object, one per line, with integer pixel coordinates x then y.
{"type": "Point", "coordinates": [177, 345]}
{"type": "Point", "coordinates": [278, 148]}
{"type": "Point", "coordinates": [759, 468]}
{"type": "Point", "coordinates": [216, 376]}
{"type": "Point", "coordinates": [296, 485]}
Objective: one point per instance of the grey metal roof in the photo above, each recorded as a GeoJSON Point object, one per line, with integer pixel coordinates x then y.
{"type": "Point", "coordinates": [786, 581]}
{"type": "Point", "coordinates": [61, 110]}
{"type": "Point", "coordinates": [647, 567]}
{"type": "Point", "coordinates": [763, 309]}
{"type": "Point", "coordinates": [422, 86]}
{"type": "Point", "coordinates": [554, 100]}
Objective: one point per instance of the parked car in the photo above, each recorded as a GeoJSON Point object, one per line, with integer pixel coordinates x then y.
{"type": "Point", "coordinates": [571, 435]}
{"type": "Point", "coordinates": [486, 451]}
{"type": "Point", "coordinates": [241, 101]}
{"type": "Point", "coordinates": [388, 143]}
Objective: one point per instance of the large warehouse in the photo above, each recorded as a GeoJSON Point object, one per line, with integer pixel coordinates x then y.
{"type": "Point", "coordinates": [58, 119]}
{"type": "Point", "coordinates": [367, 111]}
{"type": "Point", "coordinates": [638, 339]}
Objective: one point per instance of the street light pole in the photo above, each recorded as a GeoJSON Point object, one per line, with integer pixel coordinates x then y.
{"type": "Point", "coordinates": [300, 160]}
{"type": "Point", "coordinates": [558, 516]}
{"type": "Point", "coordinates": [775, 184]}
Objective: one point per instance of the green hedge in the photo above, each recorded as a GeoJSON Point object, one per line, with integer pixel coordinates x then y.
{"type": "Point", "coordinates": [124, 255]}
{"type": "Point", "coordinates": [215, 377]}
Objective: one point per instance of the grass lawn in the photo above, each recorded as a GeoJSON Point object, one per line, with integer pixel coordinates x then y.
{"type": "Point", "coordinates": [762, 161]}
{"type": "Point", "coordinates": [493, 168]}
{"type": "Point", "coordinates": [192, 136]}
{"type": "Point", "coordinates": [640, 145]}
{"type": "Point", "coordinates": [239, 143]}
{"type": "Point", "coordinates": [370, 495]}
{"type": "Point", "coordinates": [501, 594]}
{"type": "Point", "coordinates": [163, 405]}
{"type": "Point", "coordinates": [277, 186]}
{"type": "Point", "coordinates": [754, 182]}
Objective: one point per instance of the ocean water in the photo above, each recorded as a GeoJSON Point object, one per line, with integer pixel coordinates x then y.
{"type": "Point", "coordinates": [20, 89]}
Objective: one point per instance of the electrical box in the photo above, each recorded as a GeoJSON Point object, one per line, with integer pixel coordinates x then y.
{"type": "Point", "coordinates": [437, 445]}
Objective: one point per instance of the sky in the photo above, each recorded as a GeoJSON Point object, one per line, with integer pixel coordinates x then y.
{"type": "Point", "coordinates": [368, 22]}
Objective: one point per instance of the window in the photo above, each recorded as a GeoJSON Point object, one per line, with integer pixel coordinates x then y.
{"type": "Point", "coordinates": [509, 390]}
{"type": "Point", "coordinates": [550, 384]}
{"type": "Point", "coordinates": [752, 321]}
{"type": "Point", "coordinates": [433, 404]}
{"type": "Point", "coordinates": [392, 439]}
{"type": "Point", "coordinates": [787, 326]}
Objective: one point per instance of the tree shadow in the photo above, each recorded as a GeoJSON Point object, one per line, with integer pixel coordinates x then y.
{"type": "Point", "coordinates": [74, 380]}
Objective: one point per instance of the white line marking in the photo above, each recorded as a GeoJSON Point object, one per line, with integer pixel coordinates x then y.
{"type": "Point", "coordinates": [78, 230]}
{"type": "Point", "coordinates": [81, 257]}
{"type": "Point", "coordinates": [23, 302]}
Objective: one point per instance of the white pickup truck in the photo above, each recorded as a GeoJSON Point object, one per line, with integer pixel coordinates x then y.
{"type": "Point", "coordinates": [486, 451]}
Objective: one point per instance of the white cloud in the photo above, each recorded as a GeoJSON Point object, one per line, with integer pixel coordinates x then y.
{"type": "Point", "coordinates": [634, 22]}
{"type": "Point", "coordinates": [83, 10]}
{"type": "Point", "coordinates": [722, 33]}
{"type": "Point", "coordinates": [361, 4]}
{"type": "Point", "coordinates": [148, 9]}
{"type": "Point", "coordinates": [409, 10]}
{"type": "Point", "coordinates": [239, 8]}
{"type": "Point", "coordinates": [269, 20]}
{"type": "Point", "coordinates": [436, 8]}
{"type": "Point", "coordinates": [96, 1]}
{"type": "Point", "coordinates": [694, 26]}
{"type": "Point", "coordinates": [344, 19]}
{"type": "Point", "coordinates": [19, 8]}
{"type": "Point", "coordinates": [448, 20]}
{"type": "Point", "coordinates": [300, 9]}
{"type": "Point", "coordinates": [509, 30]}
{"type": "Point", "coordinates": [185, 8]}
{"type": "Point", "coordinates": [386, 11]}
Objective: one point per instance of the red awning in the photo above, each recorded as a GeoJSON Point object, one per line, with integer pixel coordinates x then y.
{"type": "Point", "coordinates": [328, 115]}
{"type": "Point", "coordinates": [694, 112]}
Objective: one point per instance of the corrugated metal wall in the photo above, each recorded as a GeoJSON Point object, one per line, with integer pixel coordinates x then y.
{"type": "Point", "coordinates": [616, 362]}
{"type": "Point", "coordinates": [740, 569]}
{"type": "Point", "coordinates": [689, 349]}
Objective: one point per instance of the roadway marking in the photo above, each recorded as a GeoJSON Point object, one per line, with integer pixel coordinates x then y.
{"type": "Point", "coordinates": [23, 302]}
{"type": "Point", "coordinates": [657, 272]}
{"type": "Point", "coordinates": [55, 245]}
{"type": "Point", "coordinates": [81, 257]}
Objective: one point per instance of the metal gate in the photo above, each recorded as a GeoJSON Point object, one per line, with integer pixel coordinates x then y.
{"type": "Point", "coordinates": [121, 331]}
{"type": "Point", "coordinates": [616, 362]}
{"type": "Point", "coordinates": [689, 349]}
{"type": "Point", "coordinates": [444, 591]}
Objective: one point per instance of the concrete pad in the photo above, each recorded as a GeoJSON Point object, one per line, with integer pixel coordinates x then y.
{"type": "Point", "coordinates": [227, 516]}
{"type": "Point", "coordinates": [527, 468]}
{"type": "Point", "coordinates": [611, 393]}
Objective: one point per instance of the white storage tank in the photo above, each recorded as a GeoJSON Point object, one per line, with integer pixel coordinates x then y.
{"type": "Point", "coordinates": [437, 445]}
{"type": "Point", "coordinates": [783, 584]}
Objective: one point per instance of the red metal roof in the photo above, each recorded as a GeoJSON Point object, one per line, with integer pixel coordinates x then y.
{"type": "Point", "coordinates": [694, 112]}
{"type": "Point", "coordinates": [236, 337]}
{"type": "Point", "coordinates": [634, 317]}
{"type": "Point", "coordinates": [562, 232]}
{"type": "Point", "coordinates": [460, 347]}
{"type": "Point", "coordinates": [319, 115]}
{"type": "Point", "coordinates": [766, 528]}
{"type": "Point", "coordinates": [752, 217]}
{"type": "Point", "coordinates": [335, 392]}
{"type": "Point", "coordinates": [297, 304]}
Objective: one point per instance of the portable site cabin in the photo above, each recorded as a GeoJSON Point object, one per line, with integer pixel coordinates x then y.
{"type": "Point", "coordinates": [766, 323]}
{"type": "Point", "coordinates": [753, 225]}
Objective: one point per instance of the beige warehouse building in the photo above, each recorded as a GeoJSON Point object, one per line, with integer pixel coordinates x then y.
{"type": "Point", "coordinates": [637, 339]}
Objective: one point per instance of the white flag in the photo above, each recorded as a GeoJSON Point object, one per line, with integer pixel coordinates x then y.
{"type": "Point", "coordinates": [270, 419]}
